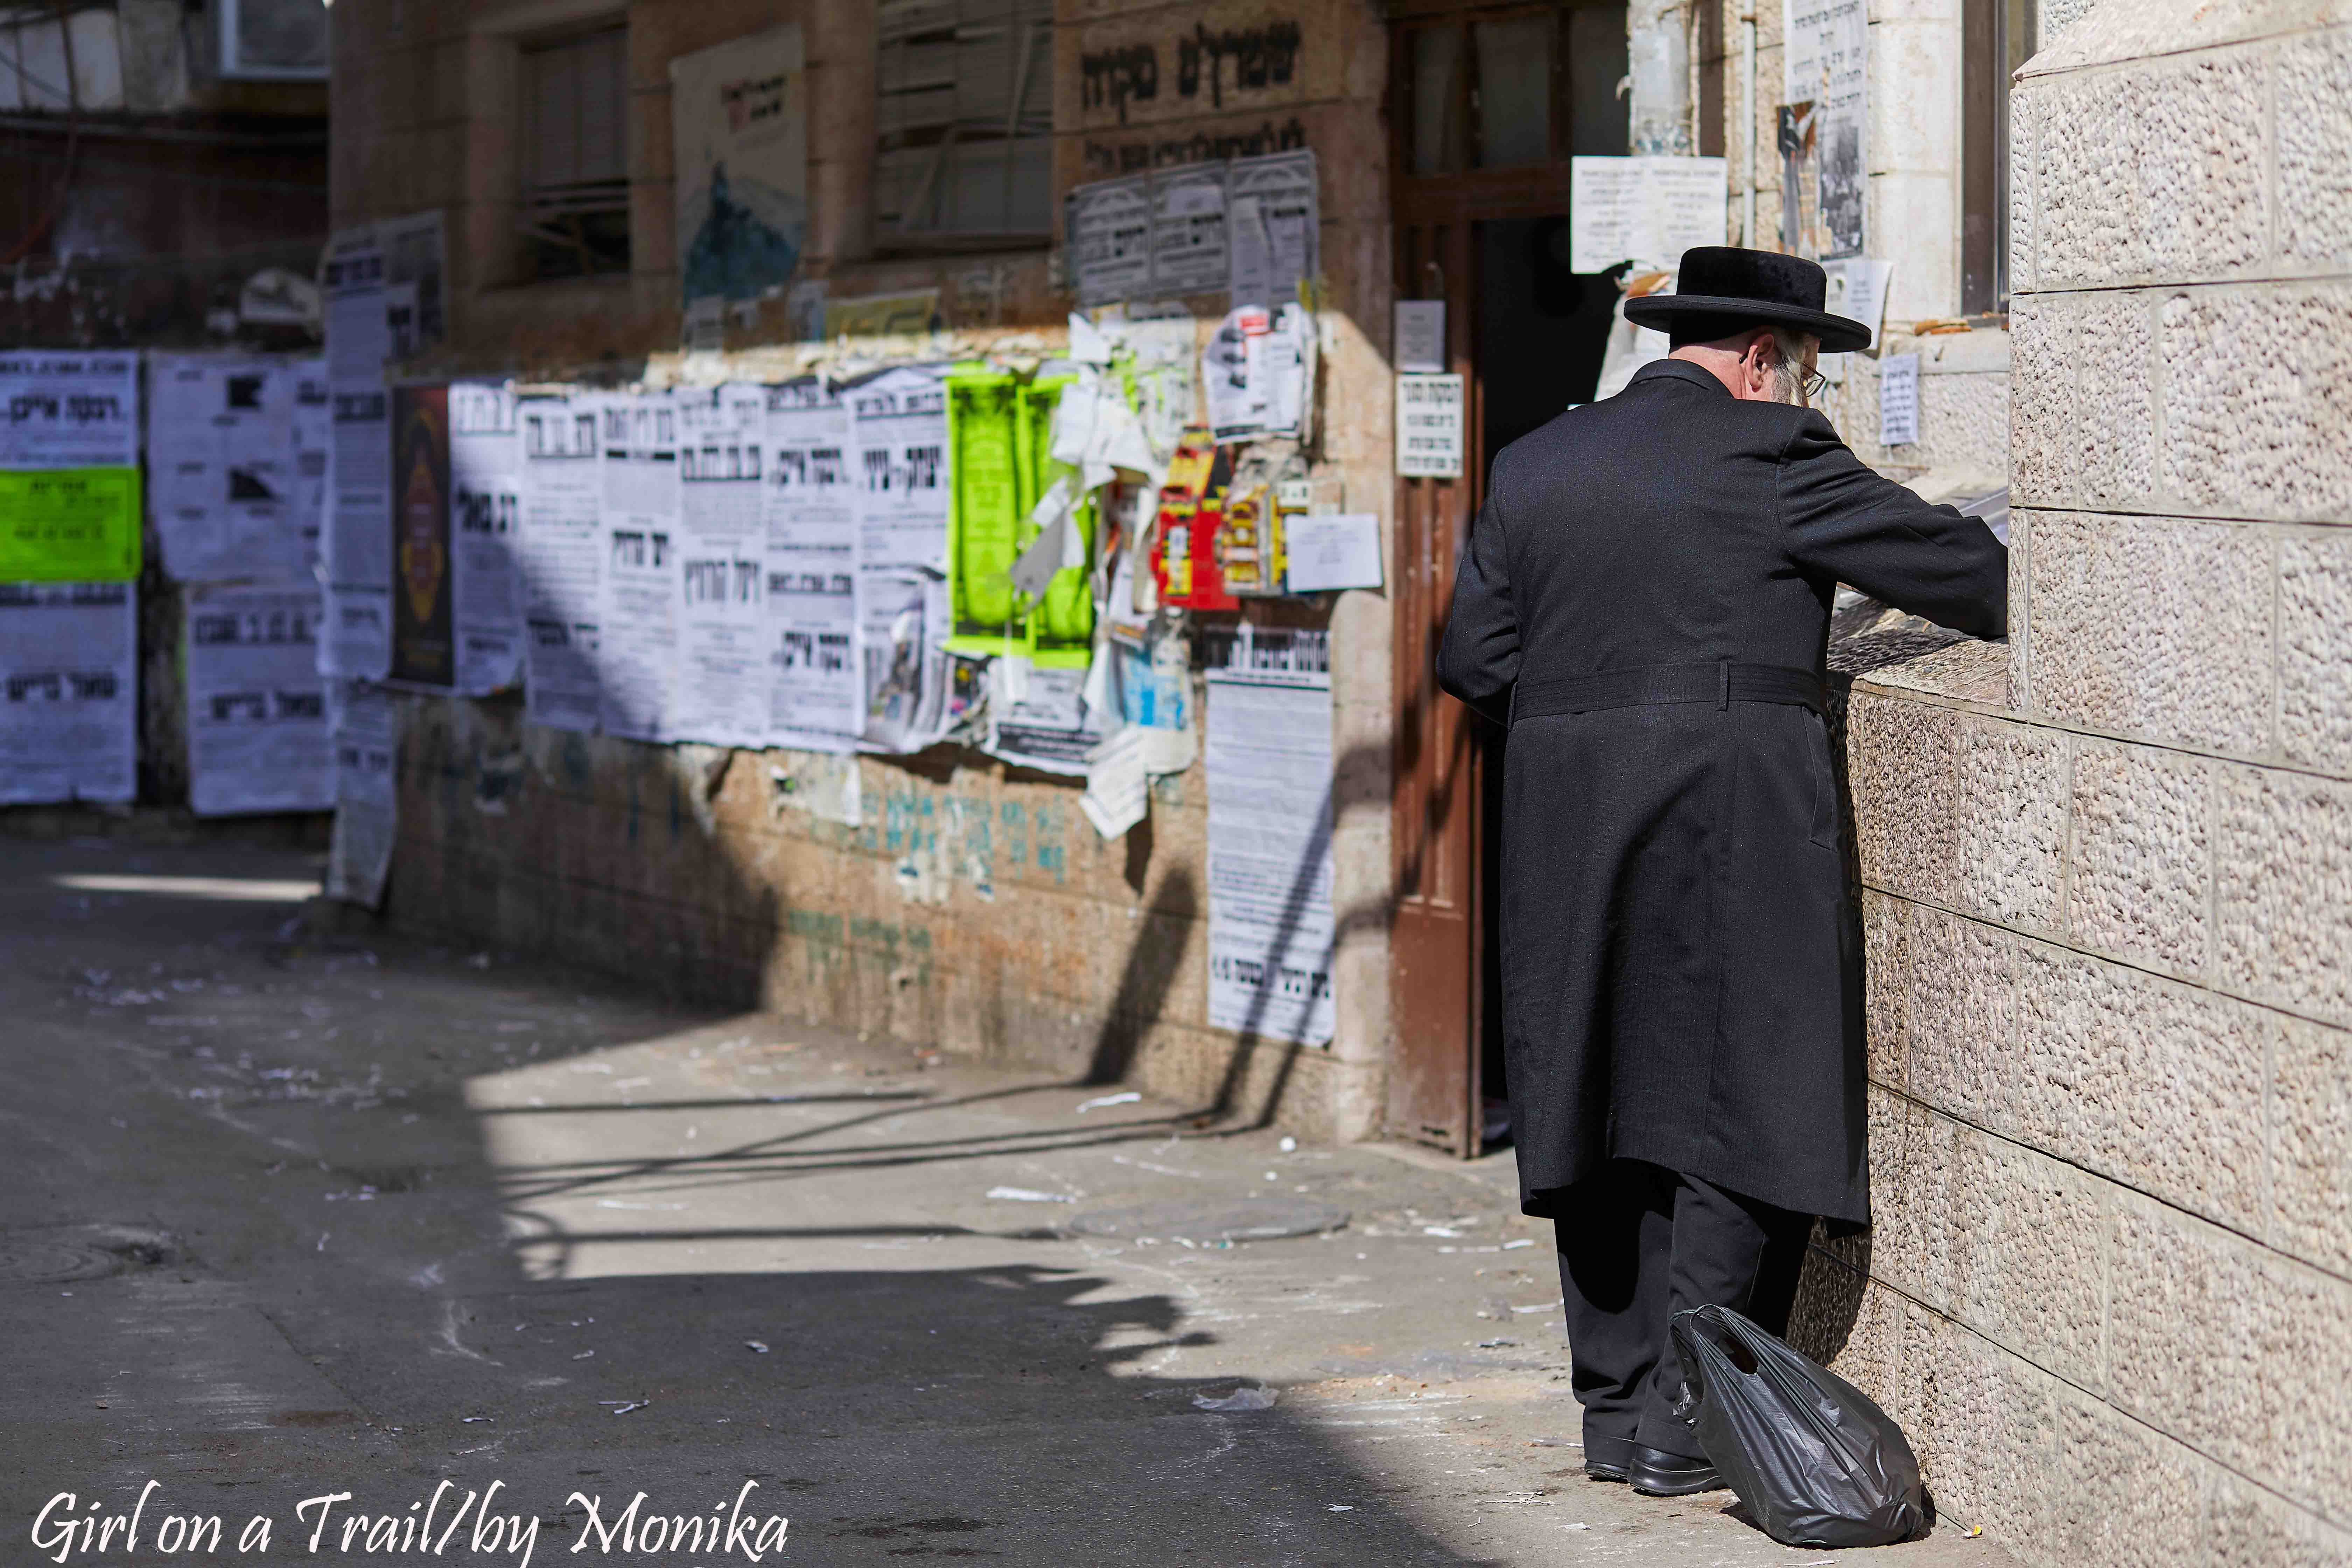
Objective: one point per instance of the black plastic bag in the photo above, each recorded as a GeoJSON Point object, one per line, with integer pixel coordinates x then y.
{"type": "Point", "coordinates": [1814, 1460]}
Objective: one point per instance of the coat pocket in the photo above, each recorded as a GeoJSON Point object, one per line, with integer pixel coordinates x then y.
{"type": "Point", "coordinates": [1824, 779]}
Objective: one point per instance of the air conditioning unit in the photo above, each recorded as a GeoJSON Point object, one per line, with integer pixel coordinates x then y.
{"type": "Point", "coordinates": [273, 40]}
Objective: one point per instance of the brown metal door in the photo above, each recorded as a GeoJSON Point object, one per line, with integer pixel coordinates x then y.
{"type": "Point", "coordinates": [1433, 944]}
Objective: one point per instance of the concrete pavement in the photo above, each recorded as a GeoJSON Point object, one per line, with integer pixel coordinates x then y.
{"type": "Point", "coordinates": [284, 1216]}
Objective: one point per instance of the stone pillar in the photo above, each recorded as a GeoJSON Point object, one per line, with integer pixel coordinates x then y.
{"type": "Point", "coordinates": [2108, 877]}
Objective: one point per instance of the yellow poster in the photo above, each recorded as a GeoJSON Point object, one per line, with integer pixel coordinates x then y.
{"type": "Point", "coordinates": [70, 525]}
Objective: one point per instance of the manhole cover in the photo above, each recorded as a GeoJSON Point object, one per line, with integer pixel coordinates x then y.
{"type": "Point", "coordinates": [1212, 1222]}
{"type": "Point", "coordinates": [79, 1252]}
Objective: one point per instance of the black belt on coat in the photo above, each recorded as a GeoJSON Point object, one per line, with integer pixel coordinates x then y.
{"type": "Point", "coordinates": [1721, 683]}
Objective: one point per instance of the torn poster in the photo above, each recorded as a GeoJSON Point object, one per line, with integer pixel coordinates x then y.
{"type": "Point", "coordinates": [486, 534]}
{"type": "Point", "coordinates": [1272, 933]}
{"type": "Point", "coordinates": [639, 613]}
{"type": "Point", "coordinates": [561, 560]}
{"type": "Point", "coordinates": [902, 633]}
{"type": "Point", "coordinates": [355, 639]}
{"type": "Point", "coordinates": [69, 692]}
{"type": "Point", "coordinates": [903, 492]}
{"type": "Point", "coordinates": [1118, 789]}
{"type": "Point", "coordinates": [1274, 224]}
{"type": "Point", "coordinates": [1825, 63]}
{"type": "Point", "coordinates": [723, 688]}
{"type": "Point", "coordinates": [69, 410]}
{"type": "Point", "coordinates": [363, 726]}
{"type": "Point", "coordinates": [258, 737]}
{"type": "Point", "coordinates": [817, 692]}
{"type": "Point", "coordinates": [1048, 725]}
{"type": "Point", "coordinates": [226, 482]}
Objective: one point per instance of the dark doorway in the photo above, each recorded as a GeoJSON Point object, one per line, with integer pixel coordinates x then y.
{"type": "Point", "coordinates": [1488, 104]}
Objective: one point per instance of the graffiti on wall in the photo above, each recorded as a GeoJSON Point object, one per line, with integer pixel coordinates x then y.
{"type": "Point", "coordinates": [1239, 60]}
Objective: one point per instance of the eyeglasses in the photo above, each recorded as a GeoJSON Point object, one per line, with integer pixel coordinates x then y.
{"type": "Point", "coordinates": [1813, 383]}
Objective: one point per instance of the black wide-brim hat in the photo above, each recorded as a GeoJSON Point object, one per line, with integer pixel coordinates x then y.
{"type": "Point", "coordinates": [1722, 289]}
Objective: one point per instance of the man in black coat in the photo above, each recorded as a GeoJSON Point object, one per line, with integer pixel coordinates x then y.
{"type": "Point", "coordinates": [1645, 602]}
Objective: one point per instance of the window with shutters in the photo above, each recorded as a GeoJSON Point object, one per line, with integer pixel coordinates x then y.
{"type": "Point", "coordinates": [965, 115]}
{"type": "Point", "coordinates": [575, 192]}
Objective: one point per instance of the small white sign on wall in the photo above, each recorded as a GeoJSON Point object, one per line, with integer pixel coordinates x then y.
{"type": "Point", "coordinates": [1898, 400]}
{"type": "Point", "coordinates": [1419, 342]}
{"type": "Point", "coordinates": [1429, 426]}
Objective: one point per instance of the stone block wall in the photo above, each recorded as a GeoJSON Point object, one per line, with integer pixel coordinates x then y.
{"type": "Point", "coordinates": [2108, 890]}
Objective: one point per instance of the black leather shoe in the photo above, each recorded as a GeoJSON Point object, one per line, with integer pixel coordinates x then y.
{"type": "Point", "coordinates": [1605, 1458]}
{"type": "Point", "coordinates": [1657, 1473]}
{"type": "Point", "coordinates": [1595, 1469]}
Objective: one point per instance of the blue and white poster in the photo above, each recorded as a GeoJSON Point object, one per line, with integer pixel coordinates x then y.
{"type": "Point", "coordinates": [739, 112]}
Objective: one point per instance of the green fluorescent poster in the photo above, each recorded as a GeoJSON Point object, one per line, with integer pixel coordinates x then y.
{"type": "Point", "coordinates": [70, 525]}
{"type": "Point", "coordinates": [987, 500]}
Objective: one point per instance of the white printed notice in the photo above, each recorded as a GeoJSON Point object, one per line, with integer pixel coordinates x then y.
{"type": "Point", "coordinates": [723, 691]}
{"type": "Point", "coordinates": [314, 443]}
{"type": "Point", "coordinates": [356, 639]}
{"type": "Point", "coordinates": [69, 692]}
{"type": "Point", "coordinates": [1188, 253]}
{"type": "Point", "coordinates": [257, 735]}
{"type": "Point", "coordinates": [1898, 400]}
{"type": "Point", "coordinates": [561, 560]}
{"type": "Point", "coordinates": [639, 648]}
{"type": "Point", "coordinates": [1274, 224]}
{"type": "Point", "coordinates": [1645, 210]}
{"type": "Point", "coordinates": [224, 483]}
{"type": "Point", "coordinates": [69, 410]}
{"type": "Point", "coordinates": [901, 423]}
{"type": "Point", "coordinates": [1341, 550]}
{"type": "Point", "coordinates": [485, 535]}
{"type": "Point", "coordinates": [1109, 225]}
{"type": "Point", "coordinates": [361, 720]}
{"type": "Point", "coordinates": [816, 691]}
{"type": "Point", "coordinates": [1429, 426]}
{"type": "Point", "coordinates": [1271, 929]}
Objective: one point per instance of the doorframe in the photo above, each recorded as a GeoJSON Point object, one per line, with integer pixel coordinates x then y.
{"type": "Point", "coordinates": [1438, 936]}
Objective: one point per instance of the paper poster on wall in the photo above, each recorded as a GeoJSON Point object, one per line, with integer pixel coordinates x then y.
{"type": "Point", "coordinates": [1274, 224]}
{"type": "Point", "coordinates": [1268, 753]}
{"type": "Point", "coordinates": [738, 119]}
{"type": "Point", "coordinates": [356, 638]}
{"type": "Point", "coordinates": [1109, 227]}
{"type": "Point", "coordinates": [226, 488]}
{"type": "Point", "coordinates": [902, 634]}
{"type": "Point", "coordinates": [1188, 251]}
{"type": "Point", "coordinates": [424, 627]}
{"type": "Point", "coordinates": [638, 662]}
{"type": "Point", "coordinates": [1644, 210]}
{"type": "Point", "coordinates": [1341, 550]}
{"type": "Point", "coordinates": [1898, 400]}
{"type": "Point", "coordinates": [816, 678]}
{"type": "Point", "coordinates": [1418, 336]}
{"type": "Point", "coordinates": [485, 534]}
{"type": "Point", "coordinates": [258, 732]}
{"type": "Point", "coordinates": [1430, 426]}
{"type": "Point", "coordinates": [363, 731]}
{"type": "Point", "coordinates": [314, 440]}
{"type": "Point", "coordinates": [416, 267]}
{"type": "Point", "coordinates": [1825, 63]}
{"type": "Point", "coordinates": [69, 692]}
{"type": "Point", "coordinates": [69, 410]}
{"type": "Point", "coordinates": [1049, 725]}
{"type": "Point", "coordinates": [722, 688]}
{"type": "Point", "coordinates": [561, 560]}
{"type": "Point", "coordinates": [70, 525]}
{"type": "Point", "coordinates": [903, 486]}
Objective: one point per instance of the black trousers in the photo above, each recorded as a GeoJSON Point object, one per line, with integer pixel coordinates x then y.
{"type": "Point", "coordinates": [1639, 1243]}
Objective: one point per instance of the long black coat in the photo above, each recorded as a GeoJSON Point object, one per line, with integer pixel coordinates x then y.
{"type": "Point", "coordinates": [1681, 964]}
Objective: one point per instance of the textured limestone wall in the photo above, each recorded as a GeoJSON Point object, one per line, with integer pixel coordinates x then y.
{"type": "Point", "coordinates": [2109, 889]}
